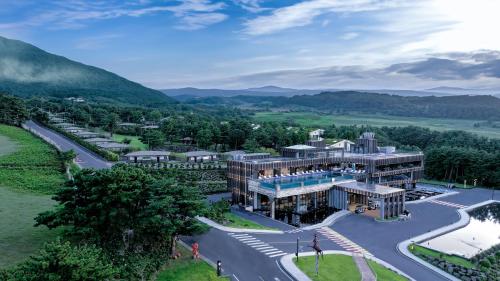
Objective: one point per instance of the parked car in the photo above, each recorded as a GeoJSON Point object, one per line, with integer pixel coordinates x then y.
{"type": "Point", "coordinates": [359, 209]}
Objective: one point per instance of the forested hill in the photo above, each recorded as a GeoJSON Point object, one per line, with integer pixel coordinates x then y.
{"type": "Point", "coordinates": [463, 106]}
{"type": "Point", "coordinates": [26, 70]}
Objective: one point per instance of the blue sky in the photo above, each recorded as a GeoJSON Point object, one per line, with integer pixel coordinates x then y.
{"type": "Point", "coordinates": [357, 44]}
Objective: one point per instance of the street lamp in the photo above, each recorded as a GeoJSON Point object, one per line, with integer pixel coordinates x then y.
{"type": "Point", "coordinates": [219, 268]}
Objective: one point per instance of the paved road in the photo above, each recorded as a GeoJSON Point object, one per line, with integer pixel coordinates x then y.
{"type": "Point", "coordinates": [85, 158]}
{"type": "Point", "coordinates": [253, 262]}
{"type": "Point", "coordinates": [381, 238]}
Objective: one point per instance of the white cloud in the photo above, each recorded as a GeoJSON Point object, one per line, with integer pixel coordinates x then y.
{"type": "Point", "coordinates": [200, 20]}
{"type": "Point", "coordinates": [349, 35]}
{"type": "Point", "coordinates": [303, 13]}
{"type": "Point", "coordinates": [95, 42]}
{"type": "Point", "coordinates": [252, 6]}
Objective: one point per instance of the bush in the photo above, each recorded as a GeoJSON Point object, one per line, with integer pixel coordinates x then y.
{"type": "Point", "coordinates": [485, 263]}
{"type": "Point", "coordinates": [217, 210]}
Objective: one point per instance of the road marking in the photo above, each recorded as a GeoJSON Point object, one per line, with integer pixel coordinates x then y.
{"type": "Point", "coordinates": [248, 239]}
{"type": "Point", "coordinates": [277, 255]}
{"type": "Point", "coordinates": [262, 248]}
{"type": "Point", "coordinates": [268, 250]}
{"type": "Point", "coordinates": [449, 204]}
{"type": "Point", "coordinates": [236, 277]}
{"type": "Point", "coordinates": [239, 235]}
{"type": "Point", "coordinates": [342, 241]}
{"type": "Point", "coordinates": [256, 244]}
{"type": "Point", "coordinates": [260, 277]}
{"type": "Point", "coordinates": [274, 252]}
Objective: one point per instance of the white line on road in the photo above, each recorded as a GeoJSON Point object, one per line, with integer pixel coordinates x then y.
{"type": "Point", "coordinates": [263, 248]}
{"type": "Point", "coordinates": [277, 255]}
{"type": "Point", "coordinates": [281, 269]}
{"type": "Point", "coordinates": [236, 277]}
{"type": "Point", "coordinates": [268, 250]}
{"type": "Point", "coordinates": [273, 252]}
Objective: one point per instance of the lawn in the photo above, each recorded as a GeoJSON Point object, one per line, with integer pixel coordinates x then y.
{"type": "Point", "coordinates": [419, 250]}
{"type": "Point", "coordinates": [331, 267]}
{"type": "Point", "coordinates": [28, 167]}
{"type": "Point", "coordinates": [27, 163]}
{"type": "Point", "coordinates": [312, 119]}
{"type": "Point", "coordinates": [187, 269]}
{"type": "Point", "coordinates": [18, 237]}
{"type": "Point", "coordinates": [385, 274]}
{"type": "Point", "coordinates": [135, 142]}
{"type": "Point", "coordinates": [239, 222]}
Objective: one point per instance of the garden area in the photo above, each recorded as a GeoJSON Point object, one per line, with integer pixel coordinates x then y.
{"type": "Point", "coordinates": [342, 267]}
{"type": "Point", "coordinates": [133, 141]}
{"type": "Point", "coordinates": [483, 266]}
{"type": "Point", "coordinates": [186, 269]}
{"type": "Point", "coordinates": [220, 212]}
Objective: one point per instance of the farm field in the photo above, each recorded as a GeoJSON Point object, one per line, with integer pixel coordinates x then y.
{"type": "Point", "coordinates": [312, 119]}
{"type": "Point", "coordinates": [28, 168]}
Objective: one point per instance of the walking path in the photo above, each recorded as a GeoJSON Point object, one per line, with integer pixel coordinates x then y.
{"type": "Point", "coordinates": [342, 241]}
{"type": "Point", "coordinates": [213, 224]}
{"type": "Point", "coordinates": [258, 245]}
{"type": "Point", "coordinates": [364, 269]}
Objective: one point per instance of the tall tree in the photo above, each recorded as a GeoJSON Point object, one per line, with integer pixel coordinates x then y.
{"type": "Point", "coordinates": [12, 110]}
{"type": "Point", "coordinates": [112, 122]}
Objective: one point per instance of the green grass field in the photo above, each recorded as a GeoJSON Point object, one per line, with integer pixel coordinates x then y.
{"type": "Point", "coordinates": [18, 237]}
{"type": "Point", "coordinates": [385, 274]}
{"type": "Point", "coordinates": [312, 119]}
{"type": "Point", "coordinates": [331, 267]}
{"type": "Point", "coordinates": [419, 250]}
{"type": "Point", "coordinates": [239, 222]}
{"type": "Point", "coordinates": [135, 142]}
{"type": "Point", "coordinates": [187, 269]}
{"type": "Point", "coordinates": [28, 163]}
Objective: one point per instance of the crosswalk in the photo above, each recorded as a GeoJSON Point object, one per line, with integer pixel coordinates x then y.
{"type": "Point", "coordinates": [342, 241]}
{"type": "Point", "coordinates": [448, 204]}
{"type": "Point", "coordinates": [258, 245]}
{"type": "Point", "coordinates": [294, 230]}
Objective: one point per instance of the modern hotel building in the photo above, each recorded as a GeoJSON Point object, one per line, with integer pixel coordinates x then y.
{"type": "Point", "coordinates": [307, 183]}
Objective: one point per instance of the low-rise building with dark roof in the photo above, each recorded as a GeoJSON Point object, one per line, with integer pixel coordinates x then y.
{"type": "Point", "coordinates": [98, 140]}
{"type": "Point", "coordinates": [147, 156]}
{"type": "Point", "coordinates": [201, 156]}
{"type": "Point", "coordinates": [86, 134]}
{"type": "Point", "coordinates": [112, 146]}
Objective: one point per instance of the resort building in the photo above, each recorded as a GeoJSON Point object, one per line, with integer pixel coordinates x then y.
{"type": "Point", "coordinates": [147, 156]}
{"type": "Point", "coordinates": [309, 183]}
{"type": "Point", "coordinates": [112, 146]}
{"type": "Point", "coordinates": [201, 156]}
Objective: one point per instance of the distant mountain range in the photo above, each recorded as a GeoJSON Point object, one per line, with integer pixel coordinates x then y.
{"type": "Point", "coordinates": [481, 107]}
{"type": "Point", "coordinates": [185, 94]}
{"type": "Point", "coordinates": [27, 71]}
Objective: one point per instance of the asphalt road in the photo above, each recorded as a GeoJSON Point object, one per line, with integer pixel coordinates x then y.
{"type": "Point", "coordinates": [84, 158]}
{"type": "Point", "coordinates": [242, 262]}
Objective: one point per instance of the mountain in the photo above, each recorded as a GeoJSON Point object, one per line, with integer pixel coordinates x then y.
{"type": "Point", "coordinates": [463, 91]}
{"type": "Point", "coordinates": [27, 71]}
{"type": "Point", "coordinates": [481, 107]}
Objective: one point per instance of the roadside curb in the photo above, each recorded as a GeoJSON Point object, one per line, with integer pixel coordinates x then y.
{"type": "Point", "coordinates": [402, 247]}
{"type": "Point", "coordinates": [236, 230]}
{"type": "Point", "coordinates": [290, 267]}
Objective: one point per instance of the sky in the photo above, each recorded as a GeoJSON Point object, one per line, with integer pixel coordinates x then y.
{"type": "Point", "coordinates": [232, 44]}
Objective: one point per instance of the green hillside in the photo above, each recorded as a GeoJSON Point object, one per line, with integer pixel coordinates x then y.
{"type": "Point", "coordinates": [26, 71]}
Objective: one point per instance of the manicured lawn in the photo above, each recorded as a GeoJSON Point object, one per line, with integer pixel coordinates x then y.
{"type": "Point", "coordinates": [28, 163]}
{"type": "Point", "coordinates": [135, 142]}
{"type": "Point", "coordinates": [239, 222]}
{"type": "Point", "coordinates": [331, 267]}
{"type": "Point", "coordinates": [18, 237]}
{"type": "Point", "coordinates": [419, 250]}
{"type": "Point", "coordinates": [187, 269]}
{"type": "Point", "coordinates": [313, 119]}
{"type": "Point", "coordinates": [385, 274]}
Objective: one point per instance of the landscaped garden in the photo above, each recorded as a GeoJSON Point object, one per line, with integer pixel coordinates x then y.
{"type": "Point", "coordinates": [342, 267]}
{"type": "Point", "coordinates": [134, 141]}
{"type": "Point", "coordinates": [220, 212]}
{"type": "Point", "coordinates": [186, 269]}
{"type": "Point", "coordinates": [484, 266]}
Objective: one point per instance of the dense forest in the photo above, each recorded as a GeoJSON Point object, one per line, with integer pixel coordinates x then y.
{"type": "Point", "coordinates": [460, 107]}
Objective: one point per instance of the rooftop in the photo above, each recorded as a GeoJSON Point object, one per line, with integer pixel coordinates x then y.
{"type": "Point", "coordinates": [301, 147]}
{"type": "Point", "coordinates": [374, 188]}
{"type": "Point", "coordinates": [148, 153]}
{"type": "Point", "coordinates": [199, 153]}
{"type": "Point", "coordinates": [112, 145]}
{"type": "Point", "coordinates": [98, 140]}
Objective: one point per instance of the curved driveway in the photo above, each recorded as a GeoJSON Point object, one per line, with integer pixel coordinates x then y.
{"type": "Point", "coordinates": [84, 158]}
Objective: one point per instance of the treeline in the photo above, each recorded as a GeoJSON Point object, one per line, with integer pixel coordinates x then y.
{"type": "Point", "coordinates": [460, 107]}
{"type": "Point", "coordinates": [12, 110]}
{"type": "Point", "coordinates": [452, 156]}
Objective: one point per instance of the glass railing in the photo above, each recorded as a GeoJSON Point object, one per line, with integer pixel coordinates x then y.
{"type": "Point", "coordinates": [304, 180]}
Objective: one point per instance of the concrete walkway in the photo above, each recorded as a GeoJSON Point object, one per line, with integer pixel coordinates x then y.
{"type": "Point", "coordinates": [364, 269]}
